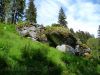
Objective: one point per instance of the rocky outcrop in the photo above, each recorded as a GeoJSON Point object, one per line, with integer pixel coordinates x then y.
{"type": "Point", "coordinates": [33, 31]}
{"type": "Point", "coordinates": [28, 32]}
{"type": "Point", "coordinates": [81, 49]}
{"type": "Point", "coordinates": [77, 51]}
{"type": "Point", "coordinates": [60, 35]}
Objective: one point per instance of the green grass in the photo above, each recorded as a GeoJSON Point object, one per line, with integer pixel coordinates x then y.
{"type": "Point", "coordinates": [21, 56]}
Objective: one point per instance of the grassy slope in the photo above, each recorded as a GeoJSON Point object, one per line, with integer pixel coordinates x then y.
{"type": "Point", "coordinates": [20, 56]}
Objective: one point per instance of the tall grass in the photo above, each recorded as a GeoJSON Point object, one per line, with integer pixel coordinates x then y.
{"type": "Point", "coordinates": [21, 56]}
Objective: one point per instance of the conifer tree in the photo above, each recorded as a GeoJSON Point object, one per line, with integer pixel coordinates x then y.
{"type": "Point", "coordinates": [11, 10]}
{"type": "Point", "coordinates": [17, 9]}
{"type": "Point", "coordinates": [99, 32]}
{"type": "Point", "coordinates": [83, 36]}
{"type": "Point", "coordinates": [2, 10]}
{"type": "Point", "coordinates": [7, 9]}
{"type": "Point", "coordinates": [72, 31]}
{"type": "Point", "coordinates": [62, 18]}
{"type": "Point", "coordinates": [31, 12]}
{"type": "Point", "coordinates": [20, 7]}
{"type": "Point", "coordinates": [98, 52]}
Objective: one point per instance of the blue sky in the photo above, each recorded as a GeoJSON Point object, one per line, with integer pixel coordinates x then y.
{"type": "Point", "coordinates": [81, 14]}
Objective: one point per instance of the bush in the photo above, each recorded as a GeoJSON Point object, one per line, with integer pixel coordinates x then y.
{"type": "Point", "coordinates": [81, 66]}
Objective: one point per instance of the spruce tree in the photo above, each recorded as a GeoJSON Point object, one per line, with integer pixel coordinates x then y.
{"type": "Point", "coordinates": [99, 32]}
{"type": "Point", "coordinates": [2, 10]}
{"type": "Point", "coordinates": [31, 12]}
{"type": "Point", "coordinates": [99, 37]}
{"type": "Point", "coordinates": [20, 7]}
{"type": "Point", "coordinates": [17, 10]}
{"type": "Point", "coordinates": [98, 52]}
{"type": "Point", "coordinates": [11, 10]}
{"type": "Point", "coordinates": [62, 18]}
{"type": "Point", "coordinates": [7, 9]}
{"type": "Point", "coordinates": [72, 31]}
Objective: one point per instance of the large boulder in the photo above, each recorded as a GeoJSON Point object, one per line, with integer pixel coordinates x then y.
{"type": "Point", "coordinates": [66, 48]}
{"type": "Point", "coordinates": [79, 50]}
{"type": "Point", "coordinates": [58, 35]}
{"type": "Point", "coordinates": [61, 48]}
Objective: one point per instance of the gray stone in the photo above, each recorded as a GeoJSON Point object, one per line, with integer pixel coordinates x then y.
{"type": "Point", "coordinates": [70, 49]}
{"type": "Point", "coordinates": [77, 51]}
{"type": "Point", "coordinates": [61, 47]}
{"type": "Point", "coordinates": [66, 48]}
{"type": "Point", "coordinates": [28, 32]}
{"type": "Point", "coordinates": [81, 51]}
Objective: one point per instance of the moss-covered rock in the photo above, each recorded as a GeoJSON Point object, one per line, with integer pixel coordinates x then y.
{"type": "Point", "coordinates": [58, 35]}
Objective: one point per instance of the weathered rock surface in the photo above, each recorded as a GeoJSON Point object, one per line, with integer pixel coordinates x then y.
{"type": "Point", "coordinates": [77, 51]}
{"type": "Point", "coordinates": [28, 32]}
{"type": "Point", "coordinates": [60, 35]}
{"type": "Point", "coordinates": [66, 48]}
{"type": "Point", "coordinates": [80, 50]}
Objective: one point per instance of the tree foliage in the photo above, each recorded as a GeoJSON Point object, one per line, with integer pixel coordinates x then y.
{"type": "Point", "coordinates": [11, 10]}
{"type": "Point", "coordinates": [92, 43]}
{"type": "Point", "coordinates": [83, 36]}
{"type": "Point", "coordinates": [98, 43]}
{"type": "Point", "coordinates": [62, 18]}
{"type": "Point", "coordinates": [31, 12]}
{"type": "Point", "coordinates": [2, 10]}
{"type": "Point", "coordinates": [99, 36]}
{"type": "Point", "coordinates": [17, 9]}
{"type": "Point", "coordinates": [72, 31]}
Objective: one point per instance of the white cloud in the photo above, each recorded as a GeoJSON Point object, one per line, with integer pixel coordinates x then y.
{"type": "Point", "coordinates": [47, 12]}
{"type": "Point", "coordinates": [81, 14]}
{"type": "Point", "coordinates": [83, 17]}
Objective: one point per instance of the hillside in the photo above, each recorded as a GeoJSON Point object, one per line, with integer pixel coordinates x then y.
{"type": "Point", "coordinates": [22, 56]}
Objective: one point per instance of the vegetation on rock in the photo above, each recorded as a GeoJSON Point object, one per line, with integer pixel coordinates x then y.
{"type": "Point", "coordinates": [60, 35]}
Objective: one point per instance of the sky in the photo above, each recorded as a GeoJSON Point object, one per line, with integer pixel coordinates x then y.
{"type": "Point", "coordinates": [81, 14]}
